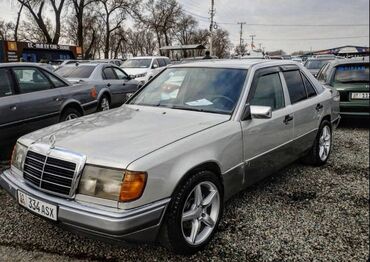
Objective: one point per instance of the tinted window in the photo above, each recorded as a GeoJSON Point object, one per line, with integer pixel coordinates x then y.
{"type": "Point", "coordinates": [120, 73]}
{"type": "Point", "coordinates": [199, 89]}
{"type": "Point", "coordinates": [31, 80]}
{"type": "Point", "coordinates": [57, 82]}
{"type": "Point", "coordinates": [155, 62]}
{"type": "Point", "coordinates": [137, 63]}
{"type": "Point", "coordinates": [352, 73]}
{"type": "Point", "coordinates": [161, 62]}
{"type": "Point", "coordinates": [5, 84]}
{"type": "Point", "coordinates": [316, 64]}
{"type": "Point", "coordinates": [295, 86]}
{"type": "Point", "coordinates": [109, 73]}
{"type": "Point", "coordinates": [323, 74]}
{"type": "Point", "coordinates": [309, 88]}
{"type": "Point", "coordinates": [81, 71]}
{"type": "Point", "coordinates": [269, 92]}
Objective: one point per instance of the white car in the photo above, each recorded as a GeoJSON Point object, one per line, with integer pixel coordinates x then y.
{"type": "Point", "coordinates": [145, 68]}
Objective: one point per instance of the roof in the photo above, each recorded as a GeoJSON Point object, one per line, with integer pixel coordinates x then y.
{"type": "Point", "coordinates": [350, 61]}
{"type": "Point", "coordinates": [234, 63]}
{"type": "Point", "coordinates": [147, 57]}
{"type": "Point", "coordinates": [183, 47]}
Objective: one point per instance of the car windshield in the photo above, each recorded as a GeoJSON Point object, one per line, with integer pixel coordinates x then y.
{"type": "Point", "coordinates": [214, 90]}
{"type": "Point", "coordinates": [137, 63]}
{"type": "Point", "coordinates": [316, 64]}
{"type": "Point", "coordinates": [352, 73]}
{"type": "Point", "coordinates": [81, 71]}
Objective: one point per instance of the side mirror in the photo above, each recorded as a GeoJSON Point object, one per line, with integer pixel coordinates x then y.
{"type": "Point", "coordinates": [131, 77]}
{"type": "Point", "coordinates": [246, 113]}
{"type": "Point", "coordinates": [261, 112]}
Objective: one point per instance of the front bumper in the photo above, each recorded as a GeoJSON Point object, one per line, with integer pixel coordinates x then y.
{"type": "Point", "coordinates": [355, 108]}
{"type": "Point", "coordinates": [137, 224]}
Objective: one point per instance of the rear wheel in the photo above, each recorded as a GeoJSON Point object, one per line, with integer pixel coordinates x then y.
{"type": "Point", "coordinates": [320, 152]}
{"type": "Point", "coordinates": [193, 214]}
{"type": "Point", "coordinates": [69, 114]}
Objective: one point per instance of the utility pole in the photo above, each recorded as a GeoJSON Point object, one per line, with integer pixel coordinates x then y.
{"type": "Point", "coordinates": [241, 36]}
{"type": "Point", "coordinates": [252, 36]}
{"type": "Point", "coordinates": [212, 12]}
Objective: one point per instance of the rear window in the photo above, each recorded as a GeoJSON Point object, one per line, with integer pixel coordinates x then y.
{"type": "Point", "coordinates": [81, 71]}
{"type": "Point", "coordinates": [352, 73]}
{"type": "Point", "coordinates": [316, 64]}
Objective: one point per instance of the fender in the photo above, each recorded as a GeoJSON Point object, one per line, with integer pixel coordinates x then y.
{"type": "Point", "coordinates": [72, 102]}
{"type": "Point", "coordinates": [102, 91]}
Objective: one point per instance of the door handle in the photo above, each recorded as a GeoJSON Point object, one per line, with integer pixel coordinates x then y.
{"type": "Point", "coordinates": [13, 108]}
{"type": "Point", "coordinates": [58, 99]}
{"type": "Point", "coordinates": [108, 85]}
{"type": "Point", "coordinates": [287, 119]}
{"type": "Point", "coordinates": [124, 84]}
{"type": "Point", "coordinates": [319, 107]}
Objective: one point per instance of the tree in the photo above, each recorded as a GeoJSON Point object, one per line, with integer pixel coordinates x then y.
{"type": "Point", "coordinates": [6, 30]}
{"type": "Point", "coordinates": [221, 43]}
{"type": "Point", "coordinates": [185, 29]}
{"type": "Point", "coordinates": [79, 7]}
{"type": "Point", "coordinates": [36, 9]}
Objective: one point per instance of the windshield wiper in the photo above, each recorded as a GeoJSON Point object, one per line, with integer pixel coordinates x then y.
{"type": "Point", "coordinates": [200, 110]}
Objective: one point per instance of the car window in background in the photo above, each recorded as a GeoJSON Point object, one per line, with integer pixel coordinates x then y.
{"type": "Point", "coordinates": [161, 62]}
{"type": "Point", "coordinates": [213, 90]}
{"type": "Point", "coordinates": [269, 92]}
{"type": "Point", "coordinates": [120, 74]}
{"type": "Point", "coordinates": [137, 63]}
{"type": "Point", "coordinates": [57, 82]}
{"type": "Point", "coordinates": [81, 71]}
{"type": "Point", "coordinates": [316, 64]}
{"type": "Point", "coordinates": [309, 88]}
{"type": "Point", "coordinates": [31, 80]}
{"type": "Point", "coordinates": [323, 74]}
{"type": "Point", "coordinates": [297, 91]}
{"type": "Point", "coordinates": [155, 62]}
{"type": "Point", "coordinates": [352, 73]}
{"type": "Point", "coordinates": [5, 84]}
{"type": "Point", "coordinates": [109, 73]}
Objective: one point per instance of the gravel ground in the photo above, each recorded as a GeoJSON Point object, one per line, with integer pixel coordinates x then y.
{"type": "Point", "coordinates": [301, 214]}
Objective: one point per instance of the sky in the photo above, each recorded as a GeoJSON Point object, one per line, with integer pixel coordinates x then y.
{"type": "Point", "coordinates": [271, 21]}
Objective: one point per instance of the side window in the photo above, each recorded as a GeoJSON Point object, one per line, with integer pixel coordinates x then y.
{"type": "Point", "coordinates": [31, 80]}
{"type": "Point", "coordinates": [269, 92]}
{"type": "Point", "coordinates": [57, 82]}
{"type": "Point", "coordinates": [322, 76]}
{"type": "Point", "coordinates": [297, 91]}
{"type": "Point", "coordinates": [120, 73]}
{"type": "Point", "coordinates": [5, 84]}
{"type": "Point", "coordinates": [161, 62]}
{"type": "Point", "coordinates": [155, 64]}
{"type": "Point", "coordinates": [109, 73]}
{"type": "Point", "coordinates": [309, 88]}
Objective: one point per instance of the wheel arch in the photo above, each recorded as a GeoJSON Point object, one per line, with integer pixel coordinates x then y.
{"type": "Point", "coordinates": [72, 104]}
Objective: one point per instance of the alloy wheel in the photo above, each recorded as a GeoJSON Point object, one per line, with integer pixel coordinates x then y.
{"type": "Point", "coordinates": [325, 143]}
{"type": "Point", "coordinates": [104, 105]}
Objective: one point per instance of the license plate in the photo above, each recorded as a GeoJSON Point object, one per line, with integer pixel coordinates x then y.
{"type": "Point", "coordinates": [37, 206]}
{"type": "Point", "coordinates": [360, 95]}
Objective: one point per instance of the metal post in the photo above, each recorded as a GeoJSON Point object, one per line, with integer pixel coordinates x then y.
{"type": "Point", "coordinates": [241, 36]}
{"type": "Point", "coordinates": [212, 13]}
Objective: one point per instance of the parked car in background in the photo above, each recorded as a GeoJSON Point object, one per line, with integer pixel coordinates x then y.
{"type": "Point", "coordinates": [351, 79]}
{"type": "Point", "coordinates": [113, 85]}
{"type": "Point", "coordinates": [58, 63]}
{"type": "Point", "coordinates": [32, 98]}
{"type": "Point", "coordinates": [144, 68]}
{"type": "Point", "coordinates": [297, 59]}
{"type": "Point", "coordinates": [162, 165]}
{"type": "Point", "coordinates": [314, 64]}
{"type": "Point", "coordinates": [117, 62]}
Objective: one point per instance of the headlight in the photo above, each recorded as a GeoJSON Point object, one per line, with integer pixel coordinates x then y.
{"type": "Point", "coordinates": [113, 184]}
{"type": "Point", "coordinates": [18, 156]}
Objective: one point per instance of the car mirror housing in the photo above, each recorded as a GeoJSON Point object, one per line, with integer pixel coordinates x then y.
{"type": "Point", "coordinates": [131, 77]}
{"type": "Point", "coordinates": [261, 112]}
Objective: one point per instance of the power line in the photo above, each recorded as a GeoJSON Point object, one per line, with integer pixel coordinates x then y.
{"type": "Point", "coordinates": [300, 25]}
{"type": "Point", "coordinates": [302, 39]}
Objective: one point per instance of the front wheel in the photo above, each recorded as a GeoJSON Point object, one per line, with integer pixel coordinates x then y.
{"type": "Point", "coordinates": [193, 214]}
{"type": "Point", "coordinates": [320, 152]}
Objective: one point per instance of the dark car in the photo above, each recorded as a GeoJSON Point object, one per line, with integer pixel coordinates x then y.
{"type": "Point", "coordinates": [315, 64]}
{"type": "Point", "coordinates": [114, 86]}
{"type": "Point", "coordinates": [32, 97]}
{"type": "Point", "coordinates": [351, 78]}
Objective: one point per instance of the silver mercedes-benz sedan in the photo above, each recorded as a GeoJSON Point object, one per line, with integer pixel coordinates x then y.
{"type": "Point", "coordinates": [160, 167]}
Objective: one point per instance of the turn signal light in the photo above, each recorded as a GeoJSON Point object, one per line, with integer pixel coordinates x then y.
{"type": "Point", "coordinates": [132, 186]}
{"type": "Point", "coordinates": [93, 93]}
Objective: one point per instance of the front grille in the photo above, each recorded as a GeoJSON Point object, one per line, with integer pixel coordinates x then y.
{"type": "Point", "coordinates": [49, 173]}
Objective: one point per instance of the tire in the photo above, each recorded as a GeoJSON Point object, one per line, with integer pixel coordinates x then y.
{"type": "Point", "coordinates": [176, 234]}
{"type": "Point", "coordinates": [321, 149]}
{"type": "Point", "coordinates": [69, 114]}
{"type": "Point", "coordinates": [104, 104]}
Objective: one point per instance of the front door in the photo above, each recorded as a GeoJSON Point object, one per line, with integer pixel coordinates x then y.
{"type": "Point", "coordinates": [267, 141]}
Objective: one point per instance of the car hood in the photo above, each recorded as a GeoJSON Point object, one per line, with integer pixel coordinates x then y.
{"type": "Point", "coordinates": [118, 137]}
{"type": "Point", "coordinates": [135, 71]}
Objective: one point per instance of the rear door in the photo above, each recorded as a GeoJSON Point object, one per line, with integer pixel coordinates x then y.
{"type": "Point", "coordinates": [39, 102]}
{"type": "Point", "coordinates": [267, 141]}
{"type": "Point", "coordinates": [116, 86]}
{"type": "Point", "coordinates": [306, 106]}
{"type": "Point", "coordinates": [10, 124]}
